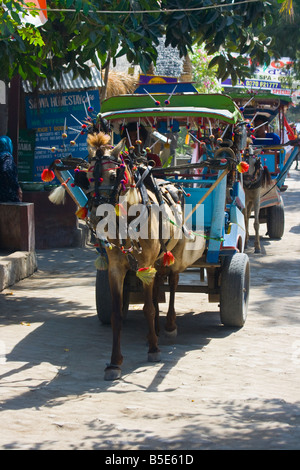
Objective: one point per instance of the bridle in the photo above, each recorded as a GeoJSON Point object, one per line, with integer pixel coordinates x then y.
{"type": "Point", "coordinates": [253, 180]}
{"type": "Point", "coordinates": [106, 193]}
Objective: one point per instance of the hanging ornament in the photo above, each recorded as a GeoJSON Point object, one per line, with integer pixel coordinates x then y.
{"type": "Point", "coordinates": [242, 167]}
{"type": "Point", "coordinates": [82, 213]}
{"type": "Point", "coordinates": [47, 175]}
{"type": "Point", "coordinates": [132, 196]}
{"type": "Point", "coordinates": [101, 263]}
{"type": "Point", "coordinates": [168, 259]}
{"type": "Point", "coordinates": [119, 209]}
{"type": "Point", "coordinates": [90, 108]}
{"type": "Point", "coordinates": [146, 275]}
{"type": "Point", "coordinates": [57, 196]}
{"type": "Point", "coordinates": [64, 134]}
{"type": "Point", "coordinates": [167, 102]}
{"type": "Point", "coordinates": [155, 101]}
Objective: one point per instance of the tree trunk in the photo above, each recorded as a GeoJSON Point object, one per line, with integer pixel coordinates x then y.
{"type": "Point", "coordinates": [105, 79]}
{"type": "Point", "coordinates": [3, 108]}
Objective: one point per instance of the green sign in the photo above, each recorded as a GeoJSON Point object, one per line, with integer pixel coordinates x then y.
{"type": "Point", "coordinates": [26, 154]}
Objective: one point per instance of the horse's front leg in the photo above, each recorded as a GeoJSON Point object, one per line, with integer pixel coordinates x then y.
{"type": "Point", "coordinates": [116, 280]}
{"type": "Point", "coordinates": [256, 225]}
{"type": "Point", "coordinates": [171, 328]}
{"type": "Point", "coordinates": [149, 311]}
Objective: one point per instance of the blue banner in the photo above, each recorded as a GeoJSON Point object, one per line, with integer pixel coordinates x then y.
{"type": "Point", "coordinates": [59, 120]}
{"type": "Point", "coordinates": [254, 83]}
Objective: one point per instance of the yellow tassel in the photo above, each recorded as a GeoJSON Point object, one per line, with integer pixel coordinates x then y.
{"type": "Point", "coordinates": [146, 275]}
{"type": "Point", "coordinates": [101, 263]}
{"type": "Point", "coordinates": [187, 139]}
{"type": "Point", "coordinates": [119, 209]}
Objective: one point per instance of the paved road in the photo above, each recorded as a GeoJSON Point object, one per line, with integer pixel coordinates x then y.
{"type": "Point", "coordinates": [215, 388]}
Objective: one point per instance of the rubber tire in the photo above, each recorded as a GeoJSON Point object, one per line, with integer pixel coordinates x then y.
{"type": "Point", "coordinates": [275, 220]}
{"type": "Point", "coordinates": [234, 291]}
{"type": "Point", "coordinates": [103, 297]}
{"type": "Point", "coordinates": [104, 300]}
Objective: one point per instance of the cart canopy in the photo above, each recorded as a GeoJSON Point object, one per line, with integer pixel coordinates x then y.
{"type": "Point", "coordinates": [266, 104]}
{"type": "Point", "coordinates": [179, 106]}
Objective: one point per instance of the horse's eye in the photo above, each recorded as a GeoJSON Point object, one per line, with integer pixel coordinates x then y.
{"type": "Point", "coordinates": [112, 177]}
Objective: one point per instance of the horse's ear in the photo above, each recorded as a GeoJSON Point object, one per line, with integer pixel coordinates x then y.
{"type": "Point", "coordinates": [118, 148]}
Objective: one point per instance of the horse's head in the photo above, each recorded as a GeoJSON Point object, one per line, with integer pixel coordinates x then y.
{"type": "Point", "coordinates": [257, 174]}
{"type": "Point", "coordinates": [253, 175]}
{"type": "Point", "coordinates": [107, 172]}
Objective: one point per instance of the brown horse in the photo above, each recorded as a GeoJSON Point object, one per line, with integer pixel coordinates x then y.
{"type": "Point", "coordinates": [254, 179]}
{"type": "Point", "coordinates": [118, 184]}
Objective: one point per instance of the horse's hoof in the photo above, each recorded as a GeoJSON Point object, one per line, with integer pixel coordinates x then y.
{"type": "Point", "coordinates": [154, 356]}
{"type": "Point", "coordinates": [171, 334]}
{"type": "Point", "coordinates": [112, 373]}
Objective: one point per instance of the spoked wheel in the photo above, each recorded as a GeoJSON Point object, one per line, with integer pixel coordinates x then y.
{"type": "Point", "coordinates": [234, 292]}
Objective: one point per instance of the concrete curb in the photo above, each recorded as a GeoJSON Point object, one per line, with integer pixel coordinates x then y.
{"type": "Point", "coordinates": [16, 266]}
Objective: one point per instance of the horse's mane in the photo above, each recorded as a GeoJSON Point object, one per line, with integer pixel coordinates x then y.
{"type": "Point", "coordinates": [266, 176]}
{"type": "Point", "coordinates": [97, 140]}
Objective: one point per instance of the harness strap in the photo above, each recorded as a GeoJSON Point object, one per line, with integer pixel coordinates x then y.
{"type": "Point", "coordinates": [97, 174]}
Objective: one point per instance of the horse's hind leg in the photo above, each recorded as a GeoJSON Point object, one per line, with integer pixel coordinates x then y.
{"type": "Point", "coordinates": [171, 328]}
{"type": "Point", "coordinates": [149, 311]}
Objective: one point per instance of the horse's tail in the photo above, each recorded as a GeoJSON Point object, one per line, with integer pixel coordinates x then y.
{"type": "Point", "coordinates": [266, 179]}
{"type": "Point", "coordinates": [97, 140]}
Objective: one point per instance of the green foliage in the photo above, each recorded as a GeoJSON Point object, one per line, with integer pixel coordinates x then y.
{"type": "Point", "coordinates": [205, 71]}
{"type": "Point", "coordinates": [285, 32]}
{"type": "Point", "coordinates": [79, 33]}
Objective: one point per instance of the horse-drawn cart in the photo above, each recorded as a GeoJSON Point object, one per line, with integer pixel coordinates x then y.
{"type": "Point", "coordinates": [276, 151]}
{"type": "Point", "coordinates": [162, 182]}
{"type": "Point", "coordinates": [209, 181]}
{"type": "Point", "coordinates": [162, 206]}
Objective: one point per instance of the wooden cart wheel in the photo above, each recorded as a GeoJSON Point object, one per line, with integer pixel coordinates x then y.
{"type": "Point", "coordinates": [234, 291]}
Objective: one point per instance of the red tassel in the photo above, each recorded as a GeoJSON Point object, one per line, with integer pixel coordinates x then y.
{"type": "Point", "coordinates": [48, 175]}
{"type": "Point", "coordinates": [168, 259]}
{"type": "Point", "coordinates": [242, 167]}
